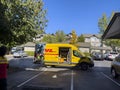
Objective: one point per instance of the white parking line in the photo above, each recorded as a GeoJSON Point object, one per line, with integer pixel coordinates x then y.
{"type": "Point", "coordinates": [71, 80]}
{"type": "Point", "coordinates": [31, 78]}
{"type": "Point", "coordinates": [110, 79]}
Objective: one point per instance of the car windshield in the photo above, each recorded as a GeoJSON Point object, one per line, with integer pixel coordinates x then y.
{"type": "Point", "coordinates": [113, 53]}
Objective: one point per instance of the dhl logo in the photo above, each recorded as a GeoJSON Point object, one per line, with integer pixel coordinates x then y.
{"type": "Point", "coordinates": [49, 50]}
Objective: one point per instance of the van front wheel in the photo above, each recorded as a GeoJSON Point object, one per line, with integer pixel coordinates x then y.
{"type": "Point", "coordinates": [84, 66]}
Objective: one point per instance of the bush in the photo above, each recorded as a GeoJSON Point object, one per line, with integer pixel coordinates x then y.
{"type": "Point", "coordinates": [30, 53]}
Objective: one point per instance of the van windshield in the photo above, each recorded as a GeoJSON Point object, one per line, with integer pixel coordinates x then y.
{"type": "Point", "coordinates": [77, 53]}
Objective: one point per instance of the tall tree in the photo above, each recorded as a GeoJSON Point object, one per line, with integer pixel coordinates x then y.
{"type": "Point", "coordinates": [73, 38]}
{"type": "Point", "coordinates": [24, 19]}
{"type": "Point", "coordinates": [102, 23]}
{"type": "Point", "coordinates": [60, 36]}
{"type": "Point", "coordinates": [5, 33]}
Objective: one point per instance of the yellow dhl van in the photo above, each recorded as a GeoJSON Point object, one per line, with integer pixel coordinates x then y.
{"type": "Point", "coordinates": [62, 55]}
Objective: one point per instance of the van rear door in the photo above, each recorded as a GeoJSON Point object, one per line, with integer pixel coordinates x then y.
{"type": "Point", "coordinates": [39, 52]}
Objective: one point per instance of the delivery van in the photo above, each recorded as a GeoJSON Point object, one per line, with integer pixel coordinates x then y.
{"type": "Point", "coordinates": [61, 55]}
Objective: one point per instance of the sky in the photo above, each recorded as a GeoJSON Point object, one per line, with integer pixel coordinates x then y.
{"type": "Point", "coordinates": [79, 15]}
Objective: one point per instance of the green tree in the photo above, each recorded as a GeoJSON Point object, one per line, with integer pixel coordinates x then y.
{"type": "Point", "coordinates": [49, 39]}
{"type": "Point", "coordinates": [60, 36]}
{"type": "Point", "coordinates": [73, 38]}
{"type": "Point", "coordinates": [24, 19]}
{"type": "Point", "coordinates": [81, 38]}
{"type": "Point", "coordinates": [113, 43]}
{"type": "Point", "coordinates": [102, 23]}
{"type": "Point", "coordinates": [5, 33]}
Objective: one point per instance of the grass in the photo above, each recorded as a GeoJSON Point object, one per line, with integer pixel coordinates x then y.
{"type": "Point", "coordinates": [30, 53]}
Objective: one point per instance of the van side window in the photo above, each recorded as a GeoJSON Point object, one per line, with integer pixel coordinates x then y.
{"type": "Point", "coordinates": [40, 48]}
{"type": "Point", "coordinates": [76, 53]}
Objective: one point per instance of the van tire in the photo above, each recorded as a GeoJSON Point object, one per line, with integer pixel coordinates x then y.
{"type": "Point", "coordinates": [84, 66]}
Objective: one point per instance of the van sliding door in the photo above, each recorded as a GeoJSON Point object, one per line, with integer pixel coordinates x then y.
{"type": "Point", "coordinates": [64, 55]}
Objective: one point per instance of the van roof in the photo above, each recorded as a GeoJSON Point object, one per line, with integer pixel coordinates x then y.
{"type": "Point", "coordinates": [61, 45]}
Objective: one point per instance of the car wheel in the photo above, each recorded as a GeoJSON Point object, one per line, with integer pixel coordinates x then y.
{"type": "Point", "coordinates": [113, 72]}
{"type": "Point", "coordinates": [84, 66]}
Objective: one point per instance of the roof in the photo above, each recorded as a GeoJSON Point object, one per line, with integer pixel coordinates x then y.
{"type": "Point", "coordinates": [91, 35]}
{"type": "Point", "coordinates": [113, 29]}
{"type": "Point", "coordinates": [84, 45]}
{"type": "Point", "coordinates": [29, 44]}
{"type": "Point", "coordinates": [101, 48]}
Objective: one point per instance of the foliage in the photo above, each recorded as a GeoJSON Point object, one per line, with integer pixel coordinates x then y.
{"type": "Point", "coordinates": [112, 43]}
{"type": "Point", "coordinates": [22, 19]}
{"type": "Point", "coordinates": [60, 36]}
{"type": "Point", "coordinates": [81, 38]}
{"type": "Point", "coordinates": [102, 23]}
{"type": "Point", "coordinates": [4, 23]}
{"type": "Point", "coordinates": [73, 38]}
{"type": "Point", "coordinates": [49, 39]}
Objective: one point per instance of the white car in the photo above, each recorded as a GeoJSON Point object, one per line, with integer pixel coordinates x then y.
{"type": "Point", "coordinates": [112, 55]}
{"type": "Point", "coordinates": [19, 54]}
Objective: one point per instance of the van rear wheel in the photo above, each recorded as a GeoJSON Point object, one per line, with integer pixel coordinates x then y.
{"type": "Point", "coordinates": [84, 66]}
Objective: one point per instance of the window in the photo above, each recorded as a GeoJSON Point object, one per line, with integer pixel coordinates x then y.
{"type": "Point", "coordinates": [40, 48]}
{"type": "Point", "coordinates": [76, 53]}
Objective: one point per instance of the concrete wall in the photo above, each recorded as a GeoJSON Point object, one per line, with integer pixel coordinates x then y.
{"type": "Point", "coordinates": [29, 48]}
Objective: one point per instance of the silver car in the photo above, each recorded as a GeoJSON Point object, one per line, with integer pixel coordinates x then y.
{"type": "Point", "coordinates": [115, 67]}
{"type": "Point", "coordinates": [111, 55]}
{"type": "Point", "coordinates": [19, 54]}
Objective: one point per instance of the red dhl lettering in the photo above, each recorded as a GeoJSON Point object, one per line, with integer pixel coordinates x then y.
{"type": "Point", "coordinates": [49, 50]}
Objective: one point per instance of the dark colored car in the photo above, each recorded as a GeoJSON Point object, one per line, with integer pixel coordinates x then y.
{"type": "Point", "coordinates": [115, 67]}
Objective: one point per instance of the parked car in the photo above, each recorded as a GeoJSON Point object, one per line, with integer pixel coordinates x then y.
{"type": "Point", "coordinates": [97, 56]}
{"type": "Point", "coordinates": [13, 50]}
{"type": "Point", "coordinates": [19, 54]}
{"type": "Point", "coordinates": [115, 67]}
{"type": "Point", "coordinates": [111, 55]}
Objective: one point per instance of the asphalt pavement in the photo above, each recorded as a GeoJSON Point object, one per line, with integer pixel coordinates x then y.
{"type": "Point", "coordinates": [29, 76]}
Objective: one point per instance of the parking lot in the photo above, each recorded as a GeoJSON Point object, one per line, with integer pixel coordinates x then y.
{"type": "Point", "coordinates": [29, 76]}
